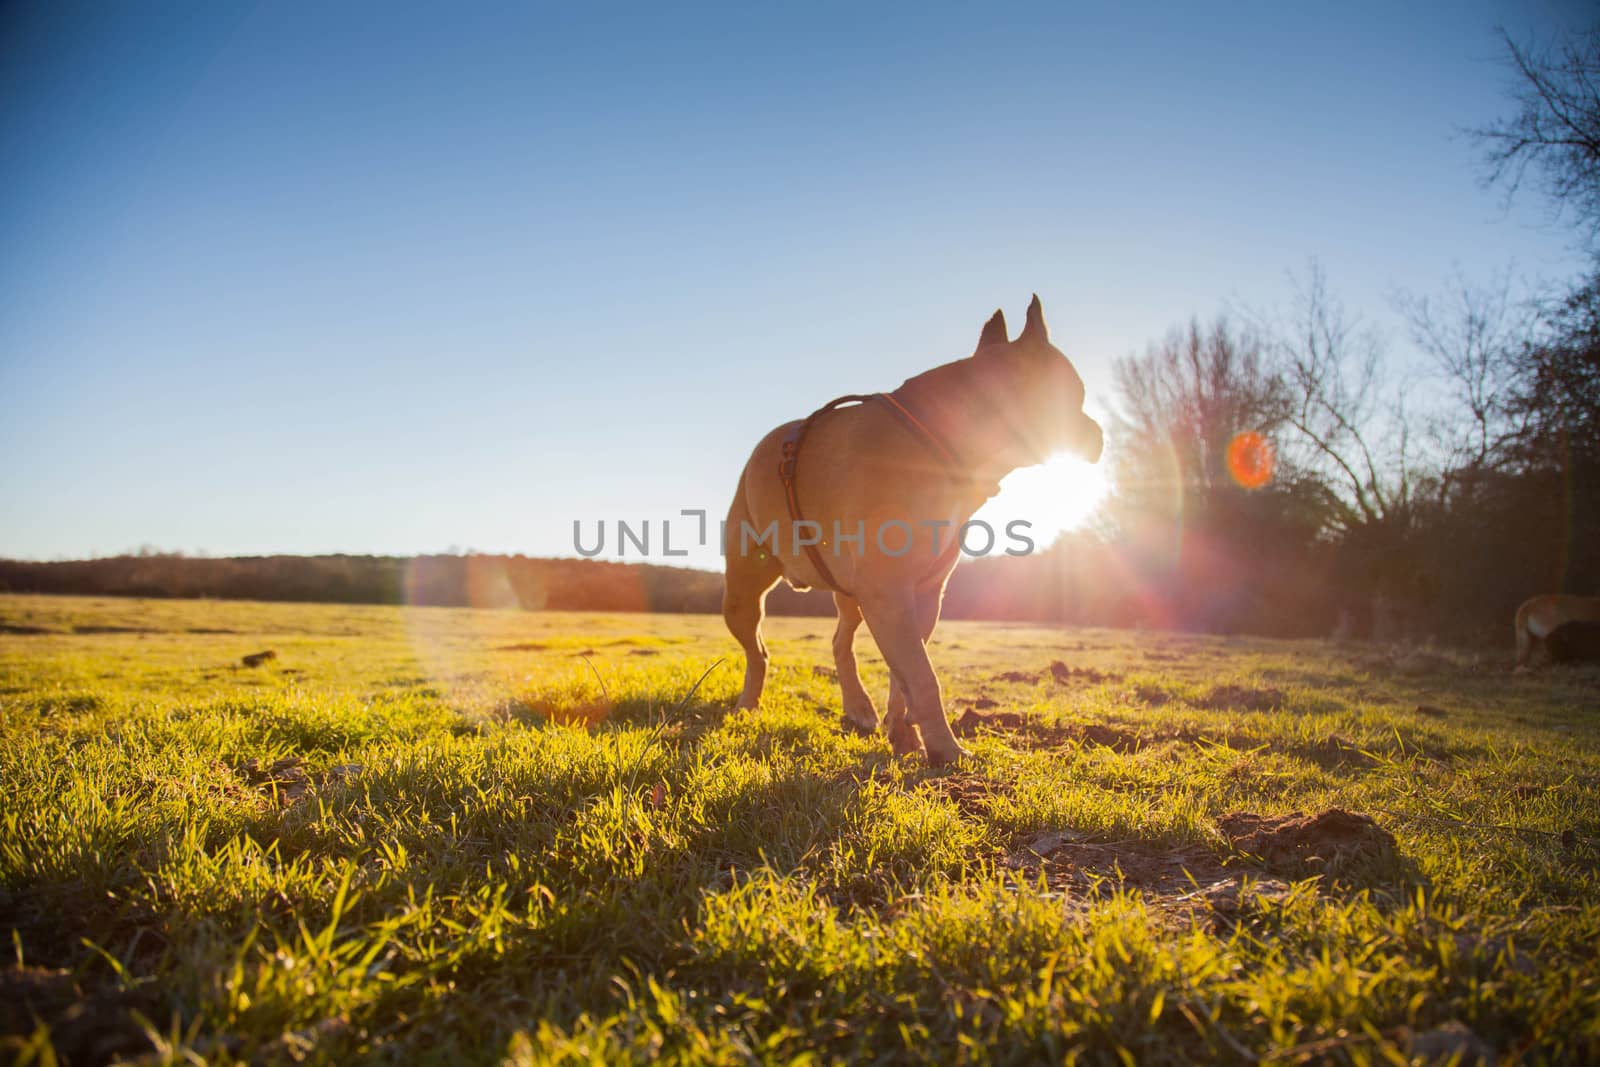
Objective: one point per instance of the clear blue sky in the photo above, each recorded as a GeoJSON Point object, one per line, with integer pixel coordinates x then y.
{"type": "Point", "coordinates": [391, 278]}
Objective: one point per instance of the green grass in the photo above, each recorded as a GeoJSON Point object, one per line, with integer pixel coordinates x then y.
{"type": "Point", "coordinates": [453, 836]}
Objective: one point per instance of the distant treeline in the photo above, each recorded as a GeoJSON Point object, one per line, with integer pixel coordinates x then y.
{"type": "Point", "coordinates": [1054, 586]}
{"type": "Point", "coordinates": [436, 581]}
{"type": "Point", "coordinates": [1080, 580]}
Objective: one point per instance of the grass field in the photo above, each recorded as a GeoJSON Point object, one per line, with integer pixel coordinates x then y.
{"type": "Point", "coordinates": [455, 836]}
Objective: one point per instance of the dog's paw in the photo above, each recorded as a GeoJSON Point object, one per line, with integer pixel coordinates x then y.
{"type": "Point", "coordinates": [905, 741]}
{"type": "Point", "coordinates": [945, 758]}
{"type": "Point", "coordinates": [857, 728]}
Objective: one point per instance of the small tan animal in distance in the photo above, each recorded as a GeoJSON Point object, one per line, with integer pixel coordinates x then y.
{"type": "Point", "coordinates": [1538, 617]}
{"type": "Point", "coordinates": [867, 500]}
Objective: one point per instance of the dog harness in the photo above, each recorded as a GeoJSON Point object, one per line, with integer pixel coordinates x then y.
{"type": "Point", "coordinates": [918, 429]}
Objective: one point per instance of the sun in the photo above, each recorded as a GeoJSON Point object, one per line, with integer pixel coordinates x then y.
{"type": "Point", "coordinates": [1061, 494]}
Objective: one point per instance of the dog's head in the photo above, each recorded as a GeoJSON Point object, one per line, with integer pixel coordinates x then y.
{"type": "Point", "coordinates": [1030, 385]}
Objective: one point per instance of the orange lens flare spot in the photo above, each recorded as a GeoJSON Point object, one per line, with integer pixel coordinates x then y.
{"type": "Point", "coordinates": [1250, 459]}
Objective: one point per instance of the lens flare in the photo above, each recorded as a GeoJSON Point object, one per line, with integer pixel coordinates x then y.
{"type": "Point", "coordinates": [1250, 459]}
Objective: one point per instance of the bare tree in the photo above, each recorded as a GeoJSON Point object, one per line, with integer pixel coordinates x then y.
{"type": "Point", "coordinates": [1555, 395]}
{"type": "Point", "coordinates": [1473, 335]}
{"type": "Point", "coordinates": [1219, 535]}
{"type": "Point", "coordinates": [1184, 399]}
{"type": "Point", "coordinates": [1349, 417]}
{"type": "Point", "coordinates": [1556, 129]}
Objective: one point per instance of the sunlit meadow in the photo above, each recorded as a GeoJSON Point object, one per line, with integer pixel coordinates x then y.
{"type": "Point", "coordinates": [434, 835]}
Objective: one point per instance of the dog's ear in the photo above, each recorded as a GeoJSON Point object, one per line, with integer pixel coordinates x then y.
{"type": "Point", "coordinates": [1034, 328]}
{"type": "Point", "coordinates": [994, 331]}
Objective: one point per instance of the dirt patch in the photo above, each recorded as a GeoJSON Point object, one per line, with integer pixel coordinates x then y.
{"type": "Point", "coordinates": [523, 646]}
{"type": "Point", "coordinates": [969, 792]}
{"type": "Point", "coordinates": [1233, 897]}
{"type": "Point", "coordinates": [1116, 738]}
{"type": "Point", "coordinates": [1194, 878]}
{"type": "Point", "coordinates": [1432, 711]}
{"type": "Point", "coordinates": [980, 703]}
{"type": "Point", "coordinates": [643, 652]}
{"type": "Point", "coordinates": [256, 659]}
{"type": "Point", "coordinates": [1060, 673]}
{"type": "Point", "coordinates": [1331, 841]}
{"type": "Point", "coordinates": [1112, 737]}
{"type": "Point", "coordinates": [825, 672]}
{"type": "Point", "coordinates": [971, 722]}
{"type": "Point", "coordinates": [1065, 675]}
{"type": "Point", "coordinates": [1330, 752]}
{"type": "Point", "coordinates": [288, 780]}
{"type": "Point", "coordinates": [1152, 695]}
{"type": "Point", "coordinates": [1069, 859]}
{"type": "Point", "coordinates": [13, 628]}
{"type": "Point", "coordinates": [1241, 698]}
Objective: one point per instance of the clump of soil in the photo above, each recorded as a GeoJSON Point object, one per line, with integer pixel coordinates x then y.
{"type": "Point", "coordinates": [971, 722]}
{"type": "Point", "coordinates": [1065, 675]}
{"type": "Point", "coordinates": [1152, 695]}
{"type": "Point", "coordinates": [980, 703]}
{"type": "Point", "coordinates": [1060, 673]}
{"type": "Point", "coordinates": [1242, 698]}
{"type": "Point", "coordinates": [1336, 751]}
{"type": "Point", "coordinates": [1330, 841]}
{"type": "Point", "coordinates": [256, 659]}
{"type": "Point", "coordinates": [969, 792]}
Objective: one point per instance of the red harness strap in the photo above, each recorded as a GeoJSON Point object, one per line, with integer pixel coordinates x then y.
{"type": "Point", "coordinates": [791, 457]}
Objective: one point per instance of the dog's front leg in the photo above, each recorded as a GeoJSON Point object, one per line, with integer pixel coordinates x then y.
{"type": "Point", "coordinates": [897, 628]}
{"type": "Point", "coordinates": [903, 737]}
{"type": "Point", "coordinates": [859, 714]}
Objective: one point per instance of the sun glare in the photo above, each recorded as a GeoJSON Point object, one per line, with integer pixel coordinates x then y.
{"type": "Point", "coordinates": [1058, 495]}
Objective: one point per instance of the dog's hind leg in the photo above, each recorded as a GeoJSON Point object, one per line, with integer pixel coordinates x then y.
{"type": "Point", "coordinates": [859, 714]}
{"type": "Point", "coordinates": [746, 580]}
{"type": "Point", "coordinates": [899, 632]}
{"type": "Point", "coordinates": [744, 598]}
{"type": "Point", "coordinates": [903, 737]}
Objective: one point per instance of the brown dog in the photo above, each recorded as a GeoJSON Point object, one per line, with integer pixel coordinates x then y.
{"type": "Point", "coordinates": [1538, 617]}
{"type": "Point", "coordinates": [869, 499]}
